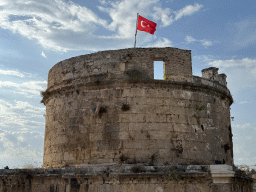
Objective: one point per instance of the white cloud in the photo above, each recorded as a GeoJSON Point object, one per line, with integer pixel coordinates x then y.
{"type": "Point", "coordinates": [189, 39]}
{"type": "Point", "coordinates": [61, 26]}
{"type": "Point", "coordinates": [249, 137]}
{"type": "Point", "coordinates": [238, 148]}
{"type": "Point", "coordinates": [10, 72]}
{"type": "Point", "coordinates": [243, 102]}
{"type": "Point", "coordinates": [20, 147]}
{"type": "Point", "coordinates": [243, 32]}
{"type": "Point", "coordinates": [243, 144]}
{"type": "Point", "coordinates": [240, 159]}
{"type": "Point", "coordinates": [242, 126]}
{"type": "Point", "coordinates": [240, 73]}
{"type": "Point", "coordinates": [3, 2]}
{"type": "Point", "coordinates": [102, 2]}
{"type": "Point", "coordinates": [188, 10]}
{"type": "Point", "coordinates": [253, 71]}
{"type": "Point", "coordinates": [29, 89]}
{"type": "Point", "coordinates": [18, 115]}
{"type": "Point", "coordinates": [164, 15]}
{"type": "Point", "coordinates": [205, 58]}
{"type": "Point", "coordinates": [43, 54]}
{"type": "Point", "coordinates": [162, 43]}
{"type": "Point", "coordinates": [206, 43]}
{"type": "Point", "coordinates": [245, 62]}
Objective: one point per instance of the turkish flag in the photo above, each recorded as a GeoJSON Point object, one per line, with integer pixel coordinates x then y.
{"type": "Point", "coordinates": [146, 25]}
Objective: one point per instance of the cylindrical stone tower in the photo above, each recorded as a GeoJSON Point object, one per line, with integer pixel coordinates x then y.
{"type": "Point", "coordinates": [106, 107]}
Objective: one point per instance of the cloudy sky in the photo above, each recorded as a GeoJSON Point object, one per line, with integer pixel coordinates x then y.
{"type": "Point", "coordinates": [36, 34]}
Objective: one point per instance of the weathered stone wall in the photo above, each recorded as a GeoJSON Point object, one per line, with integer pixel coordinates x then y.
{"type": "Point", "coordinates": [123, 114]}
{"type": "Point", "coordinates": [114, 62]}
{"type": "Point", "coordinates": [175, 122]}
{"type": "Point", "coordinates": [115, 178]}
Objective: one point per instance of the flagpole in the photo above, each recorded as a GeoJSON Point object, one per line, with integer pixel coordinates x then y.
{"type": "Point", "coordinates": [136, 30]}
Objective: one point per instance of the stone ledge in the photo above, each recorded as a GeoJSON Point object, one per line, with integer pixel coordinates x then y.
{"type": "Point", "coordinates": [199, 86]}
{"type": "Point", "coordinates": [194, 174]}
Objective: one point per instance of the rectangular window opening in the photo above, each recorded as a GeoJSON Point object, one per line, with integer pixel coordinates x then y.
{"type": "Point", "coordinates": [158, 70]}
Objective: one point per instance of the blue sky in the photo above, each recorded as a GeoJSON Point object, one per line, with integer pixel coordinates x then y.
{"type": "Point", "coordinates": [36, 34]}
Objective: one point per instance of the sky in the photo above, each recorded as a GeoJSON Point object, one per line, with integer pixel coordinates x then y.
{"type": "Point", "coordinates": [37, 34]}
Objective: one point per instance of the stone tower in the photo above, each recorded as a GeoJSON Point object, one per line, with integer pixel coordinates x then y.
{"type": "Point", "coordinates": [110, 126]}
{"type": "Point", "coordinates": [106, 107]}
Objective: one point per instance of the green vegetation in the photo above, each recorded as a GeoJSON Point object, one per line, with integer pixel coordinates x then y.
{"type": "Point", "coordinates": [200, 108]}
{"type": "Point", "coordinates": [171, 174]}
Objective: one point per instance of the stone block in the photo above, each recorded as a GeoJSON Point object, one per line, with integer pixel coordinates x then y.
{"type": "Point", "coordinates": [105, 154]}
{"type": "Point", "coordinates": [166, 127]}
{"type": "Point", "coordinates": [164, 93]}
{"type": "Point", "coordinates": [95, 136]}
{"type": "Point", "coordinates": [222, 173]}
{"type": "Point", "coordinates": [133, 118]}
{"type": "Point", "coordinates": [155, 118]}
{"type": "Point", "coordinates": [59, 140]}
{"type": "Point", "coordinates": [127, 126]}
{"type": "Point", "coordinates": [176, 110]}
{"type": "Point", "coordinates": [136, 92]}
{"type": "Point", "coordinates": [131, 144]}
{"type": "Point", "coordinates": [69, 156]}
{"type": "Point", "coordinates": [157, 109]}
{"type": "Point", "coordinates": [124, 135]}
{"type": "Point", "coordinates": [149, 93]}
{"type": "Point", "coordinates": [137, 100]}
{"type": "Point", "coordinates": [162, 101]}
{"type": "Point", "coordinates": [151, 100]}
{"type": "Point", "coordinates": [129, 153]}
{"type": "Point", "coordinates": [171, 118]}
{"type": "Point", "coordinates": [159, 135]}
{"type": "Point", "coordinates": [182, 128]}
{"type": "Point", "coordinates": [182, 119]}
{"type": "Point", "coordinates": [152, 144]}
{"type": "Point", "coordinates": [137, 126]}
{"type": "Point", "coordinates": [193, 120]}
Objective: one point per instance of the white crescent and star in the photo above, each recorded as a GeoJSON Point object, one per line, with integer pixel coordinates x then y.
{"type": "Point", "coordinates": [143, 25]}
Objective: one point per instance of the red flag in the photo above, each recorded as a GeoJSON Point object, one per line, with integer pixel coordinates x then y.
{"type": "Point", "coordinates": [146, 25]}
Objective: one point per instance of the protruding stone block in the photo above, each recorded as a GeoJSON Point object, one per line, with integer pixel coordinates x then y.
{"type": "Point", "coordinates": [222, 79]}
{"type": "Point", "coordinates": [222, 173]}
{"type": "Point", "coordinates": [211, 73]}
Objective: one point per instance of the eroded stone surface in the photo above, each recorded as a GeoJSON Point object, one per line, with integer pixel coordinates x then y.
{"type": "Point", "coordinates": [118, 177]}
{"type": "Point", "coordinates": [121, 112]}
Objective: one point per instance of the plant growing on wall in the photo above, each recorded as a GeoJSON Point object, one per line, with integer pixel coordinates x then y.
{"type": "Point", "coordinates": [200, 108]}
{"type": "Point", "coordinates": [165, 77]}
{"type": "Point", "coordinates": [171, 174]}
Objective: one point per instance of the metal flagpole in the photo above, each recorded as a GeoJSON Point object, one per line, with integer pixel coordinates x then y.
{"type": "Point", "coordinates": [136, 30]}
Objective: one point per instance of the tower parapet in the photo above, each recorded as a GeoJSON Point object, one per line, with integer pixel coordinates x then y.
{"type": "Point", "coordinates": [211, 73]}
{"type": "Point", "coordinates": [222, 79]}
